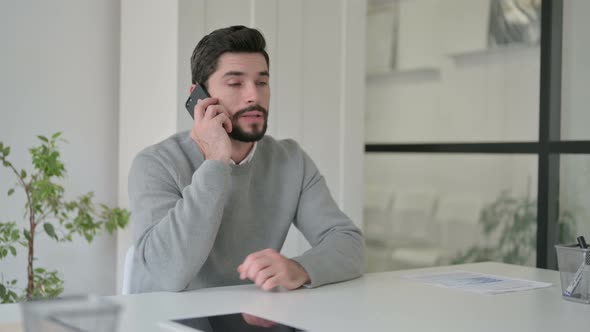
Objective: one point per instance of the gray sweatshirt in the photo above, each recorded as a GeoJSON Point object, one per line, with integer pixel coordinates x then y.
{"type": "Point", "coordinates": [196, 220]}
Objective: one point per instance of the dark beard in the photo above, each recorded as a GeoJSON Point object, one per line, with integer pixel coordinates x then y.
{"type": "Point", "coordinates": [256, 135]}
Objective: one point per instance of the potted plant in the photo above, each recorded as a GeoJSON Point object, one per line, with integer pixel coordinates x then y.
{"type": "Point", "coordinates": [510, 231]}
{"type": "Point", "coordinates": [47, 212]}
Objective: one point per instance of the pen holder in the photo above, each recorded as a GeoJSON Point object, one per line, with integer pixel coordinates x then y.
{"type": "Point", "coordinates": [68, 314]}
{"type": "Point", "coordinates": [574, 270]}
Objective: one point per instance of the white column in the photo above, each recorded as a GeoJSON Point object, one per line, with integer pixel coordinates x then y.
{"type": "Point", "coordinates": [148, 89]}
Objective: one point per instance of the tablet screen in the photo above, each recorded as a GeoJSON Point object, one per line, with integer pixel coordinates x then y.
{"type": "Point", "coordinates": [233, 322]}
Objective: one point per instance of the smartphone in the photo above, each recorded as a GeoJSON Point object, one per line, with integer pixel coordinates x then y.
{"type": "Point", "coordinates": [198, 93]}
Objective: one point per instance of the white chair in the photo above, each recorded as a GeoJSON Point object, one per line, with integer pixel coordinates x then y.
{"type": "Point", "coordinates": [413, 219]}
{"type": "Point", "coordinates": [414, 242]}
{"type": "Point", "coordinates": [458, 218]}
{"type": "Point", "coordinates": [377, 214]}
{"type": "Point", "coordinates": [377, 209]}
{"type": "Point", "coordinates": [457, 229]}
{"type": "Point", "coordinates": [127, 271]}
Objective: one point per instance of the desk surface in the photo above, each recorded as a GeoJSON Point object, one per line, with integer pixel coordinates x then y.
{"type": "Point", "coordinates": [375, 302]}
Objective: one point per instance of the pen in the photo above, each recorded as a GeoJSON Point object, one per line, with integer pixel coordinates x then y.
{"type": "Point", "coordinates": [578, 276]}
{"type": "Point", "coordinates": [582, 242]}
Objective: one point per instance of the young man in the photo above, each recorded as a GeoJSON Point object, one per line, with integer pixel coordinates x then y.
{"type": "Point", "coordinates": [213, 207]}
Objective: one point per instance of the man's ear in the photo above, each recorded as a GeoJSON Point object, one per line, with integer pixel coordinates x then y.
{"type": "Point", "coordinates": [191, 88]}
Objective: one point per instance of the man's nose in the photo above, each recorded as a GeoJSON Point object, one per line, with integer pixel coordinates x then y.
{"type": "Point", "coordinates": [251, 93]}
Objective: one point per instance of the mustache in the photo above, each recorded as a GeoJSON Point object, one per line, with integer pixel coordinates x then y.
{"type": "Point", "coordinates": [249, 109]}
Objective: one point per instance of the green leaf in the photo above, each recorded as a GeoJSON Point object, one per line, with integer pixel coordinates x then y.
{"type": "Point", "coordinates": [10, 191]}
{"type": "Point", "coordinates": [12, 250]}
{"type": "Point", "coordinates": [14, 236]}
{"type": "Point", "coordinates": [43, 138]}
{"type": "Point", "coordinates": [23, 174]}
{"type": "Point", "coordinates": [49, 230]}
{"type": "Point", "coordinates": [56, 135]}
{"type": "Point", "coordinates": [7, 151]}
{"type": "Point", "coordinates": [2, 290]}
{"type": "Point", "coordinates": [27, 234]}
{"type": "Point", "coordinates": [88, 237]}
{"type": "Point", "coordinates": [47, 284]}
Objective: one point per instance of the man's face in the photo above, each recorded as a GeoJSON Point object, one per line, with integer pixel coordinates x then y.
{"type": "Point", "coordinates": [241, 85]}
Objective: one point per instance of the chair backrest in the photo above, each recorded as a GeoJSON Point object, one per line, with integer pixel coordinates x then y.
{"type": "Point", "coordinates": [413, 215]}
{"type": "Point", "coordinates": [127, 271]}
{"type": "Point", "coordinates": [458, 219]}
{"type": "Point", "coordinates": [377, 214]}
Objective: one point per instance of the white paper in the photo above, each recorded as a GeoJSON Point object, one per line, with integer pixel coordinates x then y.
{"type": "Point", "coordinates": [476, 282]}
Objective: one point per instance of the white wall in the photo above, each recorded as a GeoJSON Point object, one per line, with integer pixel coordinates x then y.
{"type": "Point", "coordinates": [316, 51]}
{"type": "Point", "coordinates": [576, 70]}
{"type": "Point", "coordinates": [461, 91]}
{"type": "Point", "coordinates": [59, 72]}
{"type": "Point", "coordinates": [482, 97]}
{"type": "Point", "coordinates": [575, 170]}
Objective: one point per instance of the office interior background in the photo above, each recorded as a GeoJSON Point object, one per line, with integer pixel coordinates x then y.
{"type": "Point", "coordinates": [365, 86]}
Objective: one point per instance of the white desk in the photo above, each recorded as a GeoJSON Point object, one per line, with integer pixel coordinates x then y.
{"type": "Point", "coordinates": [375, 302]}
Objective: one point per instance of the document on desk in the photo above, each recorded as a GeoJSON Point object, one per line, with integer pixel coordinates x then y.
{"type": "Point", "coordinates": [476, 282]}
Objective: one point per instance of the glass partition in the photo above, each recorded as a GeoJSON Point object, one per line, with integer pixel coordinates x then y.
{"type": "Point", "coordinates": [429, 209]}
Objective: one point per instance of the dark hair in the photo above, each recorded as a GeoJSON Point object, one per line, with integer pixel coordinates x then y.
{"type": "Point", "coordinates": [234, 39]}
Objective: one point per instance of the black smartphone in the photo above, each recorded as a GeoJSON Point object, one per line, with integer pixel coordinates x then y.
{"type": "Point", "coordinates": [198, 93]}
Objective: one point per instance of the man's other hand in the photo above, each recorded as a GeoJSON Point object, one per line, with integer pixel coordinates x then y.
{"type": "Point", "coordinates": [269, 269]}
{"type": "Point", "coordinates": [257, 321]}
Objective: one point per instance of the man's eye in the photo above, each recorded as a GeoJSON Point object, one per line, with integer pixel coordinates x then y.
{"type": "Point", "coordinates": [234, 84]}
{"type": "Point", "coordinates": [262, 83]}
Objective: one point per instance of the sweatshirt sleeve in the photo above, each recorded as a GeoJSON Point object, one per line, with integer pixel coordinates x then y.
{"type": "Point", "coordinates": [175, 228]}
{"type": "Point", "coordinates": [338, 247]}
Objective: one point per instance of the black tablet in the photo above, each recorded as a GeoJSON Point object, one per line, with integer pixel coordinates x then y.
{"type": "Point", "coordinates": [238, 322]}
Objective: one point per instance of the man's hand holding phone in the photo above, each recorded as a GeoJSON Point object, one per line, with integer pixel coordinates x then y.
{"type": "Point", "coordinates": [210, 127]}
